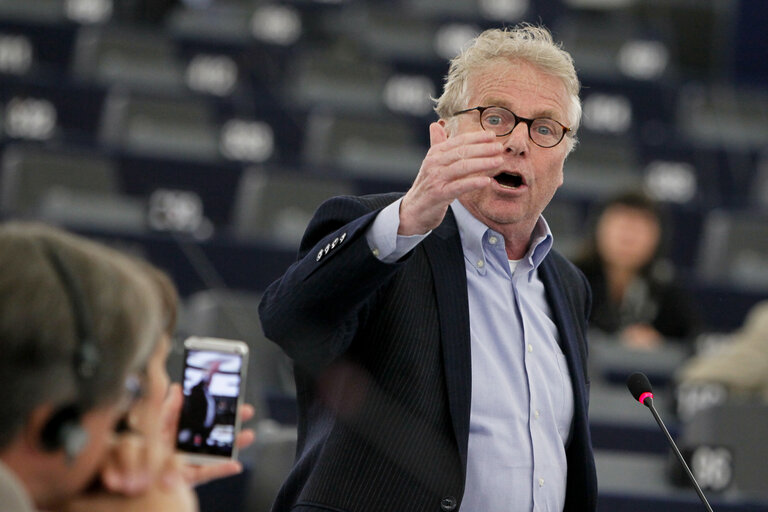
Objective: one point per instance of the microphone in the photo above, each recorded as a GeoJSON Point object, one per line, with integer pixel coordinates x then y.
{"type": "Point", "coordinates": [640, 388]}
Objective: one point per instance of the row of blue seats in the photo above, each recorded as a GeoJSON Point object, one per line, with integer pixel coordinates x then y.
{"type": "Point", "coordinates": [196, 132]}
{"type": "Point", "coordinates": [217, 181]}
{"type": "Point", "coordinates": [656, 112]}
{"type": "Point", "coordinates": [225, 262]}
{"type": "Point", "coordinates": [302, 75]}
{"type": "Point", "coordinates": [679, 26]}
{"type": "Point", "coordinates": [274, 203]}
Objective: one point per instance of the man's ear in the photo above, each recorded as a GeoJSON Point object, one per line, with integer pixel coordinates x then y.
{"type": "Point", "coordinates": [448, 125]}
{"type": "Point", "coordinates": [437, 133]}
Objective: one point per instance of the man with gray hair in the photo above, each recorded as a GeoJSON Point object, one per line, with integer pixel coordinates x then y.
{"type": "Point", "coordinates": [438, 339]}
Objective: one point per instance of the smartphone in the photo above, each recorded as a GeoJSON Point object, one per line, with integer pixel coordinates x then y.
{"type": "Point", "coordinates": [214, 386]}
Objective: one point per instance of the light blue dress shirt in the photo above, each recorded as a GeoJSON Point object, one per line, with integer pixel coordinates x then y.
{"type": "Point", "coordinates": [522, 400]}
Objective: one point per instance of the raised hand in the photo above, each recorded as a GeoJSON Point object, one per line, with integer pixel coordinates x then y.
{"type": "Point", "coordinates": [147, 453]}
{"type": "Point", "coordinates": [452, 167]}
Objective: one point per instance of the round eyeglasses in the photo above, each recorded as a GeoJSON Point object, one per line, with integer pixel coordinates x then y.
{"type": "Point", "coordinates": [543, 131]}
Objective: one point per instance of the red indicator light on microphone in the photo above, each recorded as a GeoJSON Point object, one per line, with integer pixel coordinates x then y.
{"type": "Point", "coordinates": [645, 395]}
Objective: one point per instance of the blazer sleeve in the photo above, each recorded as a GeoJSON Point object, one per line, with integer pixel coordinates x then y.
{"type": "Point", "coordinates": [314, 309]}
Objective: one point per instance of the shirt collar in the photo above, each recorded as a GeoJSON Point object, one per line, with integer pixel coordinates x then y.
{"type": "Point", "coordinates": [473, 233]}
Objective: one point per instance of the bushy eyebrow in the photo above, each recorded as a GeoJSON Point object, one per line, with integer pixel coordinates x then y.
{"type": "Point", "coordinates": [498, 102]}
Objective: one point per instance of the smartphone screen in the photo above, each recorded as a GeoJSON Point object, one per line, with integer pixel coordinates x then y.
{"type": "Point", "coordinates": [212, 384]}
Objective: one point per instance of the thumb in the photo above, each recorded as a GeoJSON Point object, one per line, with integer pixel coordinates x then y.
{"type": "Point", "coordinates": [437, 134]}
{"type": "Point", "coordinates": [171, 411]}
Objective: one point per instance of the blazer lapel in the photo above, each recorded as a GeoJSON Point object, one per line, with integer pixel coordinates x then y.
{"type": "Point", "coordinates": [446, 258]}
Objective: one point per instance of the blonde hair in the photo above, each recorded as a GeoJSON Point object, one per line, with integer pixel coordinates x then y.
{"type": "Point", "coordinates": [525, 42]}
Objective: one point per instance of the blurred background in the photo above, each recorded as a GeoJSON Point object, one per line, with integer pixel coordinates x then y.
{"type": "Point", "coordinates": [202, 134]}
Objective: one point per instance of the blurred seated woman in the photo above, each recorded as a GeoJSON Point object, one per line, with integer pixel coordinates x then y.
{"type": "Point", "coordinates": [634, 296]}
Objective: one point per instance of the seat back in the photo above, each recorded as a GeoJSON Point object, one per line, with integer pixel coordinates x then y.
{"type": "Point", "coordinates": [127, 56]}
{"type": "Point", "coordinates": [384, 148]}
{"type": "Point", "coordinates": [160, 126]}
{"type": "Point", "coordinates": [278, 205]}
{"type": "Point", "coordinates": [233, 314]}
{"type": "Point", "coordinates": [31, 172]}
{"type": "Point", "coordinates": [734, 249]}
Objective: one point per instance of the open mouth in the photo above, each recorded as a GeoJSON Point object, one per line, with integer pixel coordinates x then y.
{"type": "Point", "coordinates": [509, 179]}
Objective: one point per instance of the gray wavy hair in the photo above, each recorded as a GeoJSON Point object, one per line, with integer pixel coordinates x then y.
{"type": "Point", "coordinates": [527, 42]}
{"type": "Point", "coordinates": [37, 321]}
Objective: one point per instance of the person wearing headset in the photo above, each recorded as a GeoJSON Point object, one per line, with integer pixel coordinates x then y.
{"type": "Point", "coordinates": [84, 332]}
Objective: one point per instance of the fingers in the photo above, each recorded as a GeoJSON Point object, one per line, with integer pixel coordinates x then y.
{"type": "Point", "coordinates": [131, 465]}
{"type": "Point", "coordinates": [197, 475]}
{"type": "Point", "coordinates": [174, 472]}
{"type": "Point", "coordinates": [488, 151]}
{"type": "Point", "coordinates": [171, 412]}
{"type": "Point", "coordinates": [438, 135]}
{"type": "Point", "coordinates": [247, 412]}
{"type": "Point", "coordinates": [475, 158]}
{"type": "Point", "coordinates": [137, 461]}
{"type": "Point", "coordinates": [137, 458]}
{"type": "Point", "coordinates": [169, 492]}
{"type": "Point", "coordinates": [452, 167]}
{"type": "Point", "coordinates": [468, 153]}
{"type": "Point", "coordinates": [457, 165]}
{"type": "Point", "coordinates": [245, 438]}
{"type": "Point", "coordinates": [467, 138]}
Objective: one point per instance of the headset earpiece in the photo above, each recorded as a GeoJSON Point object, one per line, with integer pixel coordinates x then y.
{"type": "Point", "coordinates": [63, 431]}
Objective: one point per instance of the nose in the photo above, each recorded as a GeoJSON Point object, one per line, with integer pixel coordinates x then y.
{"type": "Point", "coordinates": [516, 142]}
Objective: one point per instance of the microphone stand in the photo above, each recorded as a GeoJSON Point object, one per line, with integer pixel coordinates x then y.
{"type": "Point", "coordinates": [648, 402]}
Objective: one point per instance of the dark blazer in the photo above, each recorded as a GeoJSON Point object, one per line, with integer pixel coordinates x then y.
{"type": "Point", "coordinates": [383, 372]}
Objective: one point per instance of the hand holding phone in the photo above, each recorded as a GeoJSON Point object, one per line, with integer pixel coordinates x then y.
{"type": "Point", "coordinates": [214, 384]}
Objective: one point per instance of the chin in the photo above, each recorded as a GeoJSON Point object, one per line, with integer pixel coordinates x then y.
{"type": "Point", "coordinates": [505, 211]}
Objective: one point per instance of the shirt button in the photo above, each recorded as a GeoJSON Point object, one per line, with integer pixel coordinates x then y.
{"type": "Point", "coordinates": [530, 348]}
{"type": "Point", "coordinates": [541, 482]}
{"type": "Point", "coordinates": [448, 504]}
{"type": "Point", "coordinates": [536, 414]}
{"type": "Point", "coordinates": [493, 240]}
{"type": "Point", "coordinates": [480, 264]}
{"type": "Point", "coordinates": [375, 251]}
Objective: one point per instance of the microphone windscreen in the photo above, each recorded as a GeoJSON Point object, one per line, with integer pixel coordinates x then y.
{"type": "Point", "coordinates": [638, 384]}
